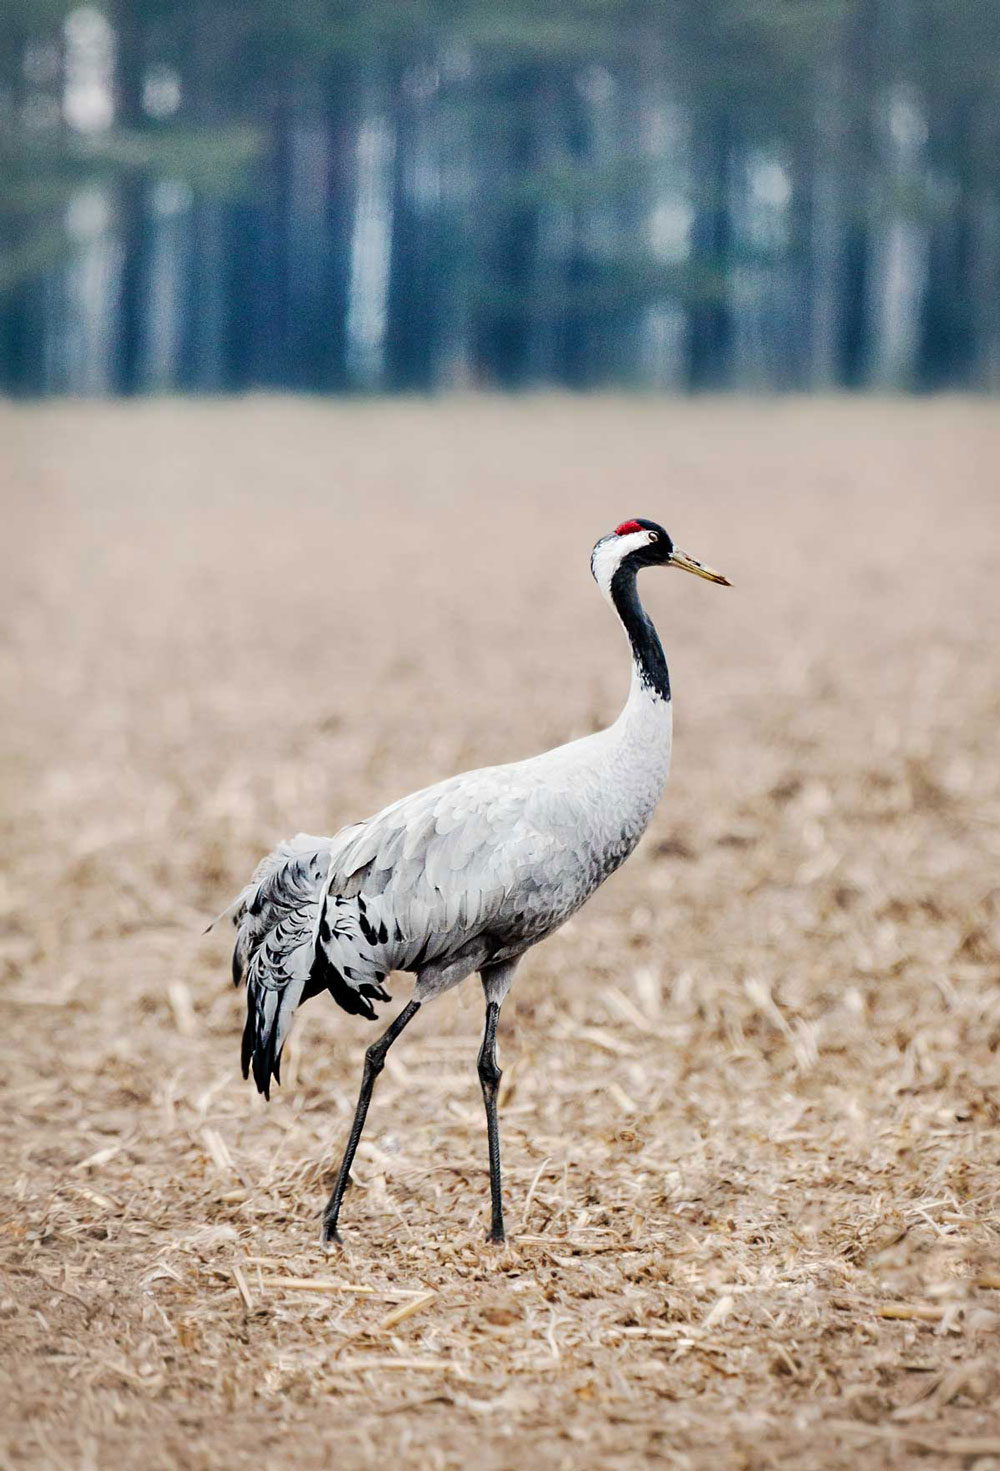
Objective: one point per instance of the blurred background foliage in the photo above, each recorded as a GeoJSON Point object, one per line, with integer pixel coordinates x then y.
{"type": "Point", "coordinates": [383, 195]}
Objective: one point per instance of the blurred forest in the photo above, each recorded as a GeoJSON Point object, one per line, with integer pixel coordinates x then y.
{"type": "Point", "coordinates": [384, 195]}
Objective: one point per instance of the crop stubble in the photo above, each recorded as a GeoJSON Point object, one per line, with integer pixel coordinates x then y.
{"type": "Point", "coordinates": [749, 1110]}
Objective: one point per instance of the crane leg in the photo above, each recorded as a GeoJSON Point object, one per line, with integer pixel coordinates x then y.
{"type": "Point", "coordinates": [374, 1063]}
{"type": "Point", "coordinates": [489, 1077]}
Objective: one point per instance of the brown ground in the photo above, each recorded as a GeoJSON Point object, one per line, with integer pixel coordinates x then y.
{"type": "Point", "coordinates": [750, 1115]}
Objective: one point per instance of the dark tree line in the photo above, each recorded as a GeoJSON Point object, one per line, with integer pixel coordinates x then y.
{"type": "Point", "coordinates": [340, 195]}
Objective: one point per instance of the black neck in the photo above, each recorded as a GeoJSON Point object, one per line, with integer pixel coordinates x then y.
{"type": "Point", "coordinates": [647, 651]}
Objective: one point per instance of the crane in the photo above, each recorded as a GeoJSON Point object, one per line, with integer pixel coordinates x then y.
{"type": "Point", "coordinates": [463, 876]}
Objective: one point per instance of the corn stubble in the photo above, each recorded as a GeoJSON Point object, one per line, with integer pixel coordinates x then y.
{"type": "Point", "coordinates": [750, 1093]}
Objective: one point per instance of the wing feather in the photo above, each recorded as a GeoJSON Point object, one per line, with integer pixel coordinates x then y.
{"type": "Point", "coordinates": [483, 864]}
{"type": "Point", "coordinates": [275, 922]}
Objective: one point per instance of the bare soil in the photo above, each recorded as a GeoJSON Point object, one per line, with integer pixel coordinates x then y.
{"type": "Point", "coordinates": [750, 1103]}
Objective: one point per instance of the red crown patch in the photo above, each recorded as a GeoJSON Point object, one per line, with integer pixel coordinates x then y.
{"type": "Point", "coordinates": [626, 527]}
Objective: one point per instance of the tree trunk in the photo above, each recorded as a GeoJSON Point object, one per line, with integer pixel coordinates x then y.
{"type": "Point", "coordinates": [985, 280]}
{"type": "Point", "coordinates": [132, 222]}
{"type": "Point", "coordinates": [371, 237]}
{"type": "Point", "coordinates": [413, 269]}
{"type": "Point", "coordinates": [825, 241]}
{"type": "Point", "coordinates": [710, 323]}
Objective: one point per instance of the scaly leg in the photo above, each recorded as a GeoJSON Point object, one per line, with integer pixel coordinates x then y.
{"type": "Point", "coordinates": [374, 1063]}
{"type": "Point", "coordinates": [489, 1077]}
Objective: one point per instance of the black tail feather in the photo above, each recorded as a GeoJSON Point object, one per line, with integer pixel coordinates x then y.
{"type": "Point", "coordinates": [263, 1062]}
{"type": "Point", "coordinates": [246, 1050]}
{"type": "Point", "coordinates": [259, 1048]}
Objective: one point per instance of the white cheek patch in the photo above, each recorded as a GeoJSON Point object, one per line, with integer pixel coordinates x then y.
{"type": "Point", "coordinates": [608, 555]}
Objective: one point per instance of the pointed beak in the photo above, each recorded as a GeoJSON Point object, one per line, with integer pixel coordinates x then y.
{"type": "Point", "coordinates": [690, 564]}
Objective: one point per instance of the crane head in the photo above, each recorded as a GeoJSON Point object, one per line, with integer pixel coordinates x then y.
{"type": "Point", "coordinates": [641, 543]}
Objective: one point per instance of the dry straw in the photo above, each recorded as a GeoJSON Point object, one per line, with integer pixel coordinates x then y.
{"type": "Point", "coordinates": [750, 1109]}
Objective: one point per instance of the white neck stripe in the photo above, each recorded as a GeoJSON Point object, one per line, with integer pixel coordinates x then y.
{"type": "Point", "coordinates": [609, 554]}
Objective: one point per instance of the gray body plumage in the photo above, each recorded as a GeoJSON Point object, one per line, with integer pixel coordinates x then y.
{"type": "Point", "coordinates": [462, 876]}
